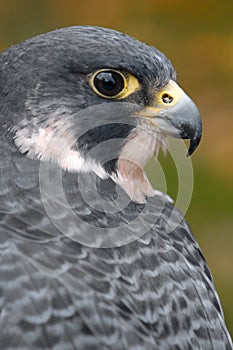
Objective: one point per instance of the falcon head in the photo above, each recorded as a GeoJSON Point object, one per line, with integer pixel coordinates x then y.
{"type": "Point", "coordinates": [94, 100]}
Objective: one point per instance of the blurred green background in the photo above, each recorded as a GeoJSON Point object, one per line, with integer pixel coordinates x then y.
{"type": "Point", "coordinates": [197, 36]}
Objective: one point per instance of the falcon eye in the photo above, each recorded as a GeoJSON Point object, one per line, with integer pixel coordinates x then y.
{"type": "Point", "coordinates": [109, 83]}
{"type": "Point", "coordinates": [113, 84]}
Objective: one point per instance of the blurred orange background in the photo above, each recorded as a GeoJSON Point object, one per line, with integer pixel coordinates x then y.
{"type": "Point", "coordinates": [197, 36]}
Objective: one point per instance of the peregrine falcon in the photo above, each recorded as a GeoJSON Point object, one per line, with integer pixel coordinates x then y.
{"type": "Point", "coordinates": [92, 257]}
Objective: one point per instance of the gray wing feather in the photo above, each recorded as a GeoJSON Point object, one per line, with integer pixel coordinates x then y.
{"type": "Point", "coordinates": [154, 293]}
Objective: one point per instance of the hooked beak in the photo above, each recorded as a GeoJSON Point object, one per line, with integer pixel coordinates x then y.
{"type": "Point", "coordinates": [175, 114]}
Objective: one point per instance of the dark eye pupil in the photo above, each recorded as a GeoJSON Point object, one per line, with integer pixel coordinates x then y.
{"type": "Point", "coordinates": [109, 83]}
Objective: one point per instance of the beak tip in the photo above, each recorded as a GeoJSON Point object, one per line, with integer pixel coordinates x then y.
{"type": "Point", "coordinates": [194, 143]}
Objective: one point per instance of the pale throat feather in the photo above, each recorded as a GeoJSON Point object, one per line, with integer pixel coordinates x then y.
{"type": "Point", "coordinates": [141, 146]}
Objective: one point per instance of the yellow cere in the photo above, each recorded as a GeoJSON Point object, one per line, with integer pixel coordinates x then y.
{"type": "Point", "coordinates": [164, 99]}
{"type": "Point", "coordinates": [167, 98]}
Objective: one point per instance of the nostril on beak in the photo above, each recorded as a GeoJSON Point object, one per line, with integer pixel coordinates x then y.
{"type": "Point", "coordinates": [166, 98]}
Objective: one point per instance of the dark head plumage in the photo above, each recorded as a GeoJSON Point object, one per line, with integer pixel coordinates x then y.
{"type": "Point", "coordinates": [48, 90]}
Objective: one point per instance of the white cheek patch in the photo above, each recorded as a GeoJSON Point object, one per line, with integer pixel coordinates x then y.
{"type": "Point", "coordinates": [54, 143]}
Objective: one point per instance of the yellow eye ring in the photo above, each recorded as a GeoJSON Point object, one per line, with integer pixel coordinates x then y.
{"type": "Point", "coordinates": [113, 84]}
